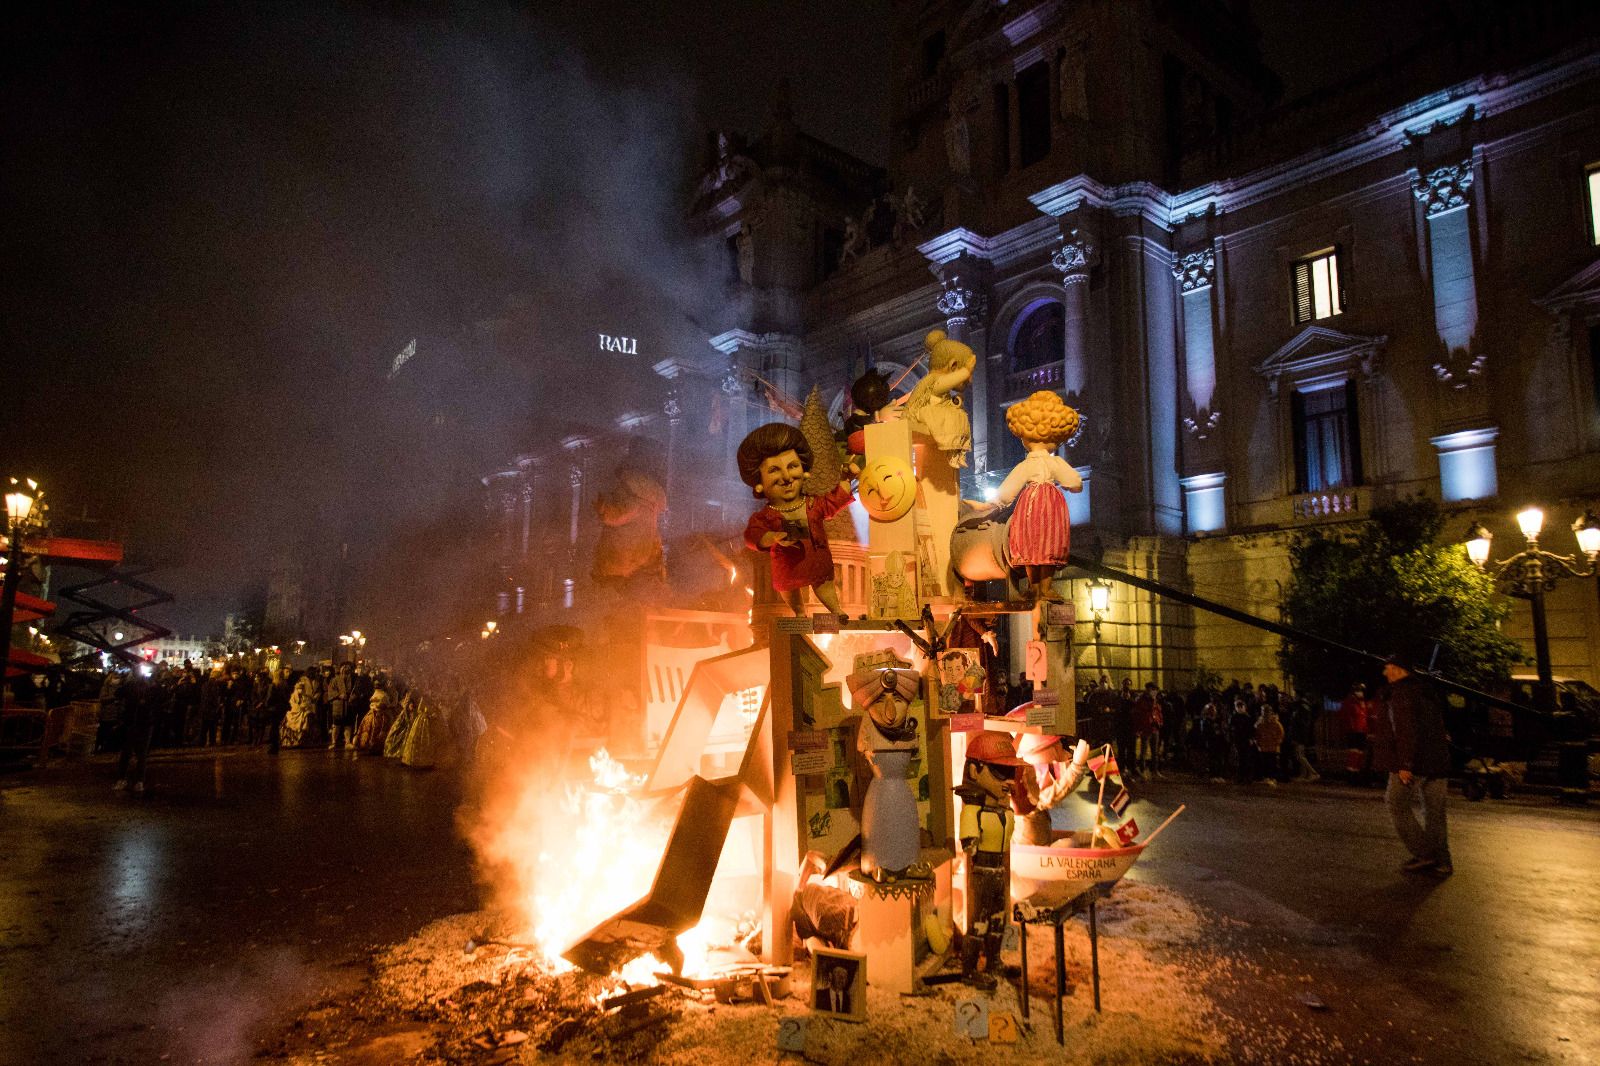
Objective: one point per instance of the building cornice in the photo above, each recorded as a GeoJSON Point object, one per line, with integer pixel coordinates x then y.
{"type": "Point", "coordinates": [1391, 132]}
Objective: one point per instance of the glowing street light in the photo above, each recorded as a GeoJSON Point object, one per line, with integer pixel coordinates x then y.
{"type": "Point", "coordinates": [1530, 520]}
{"type": "Point", "coordinates": [20, 501]}
{"type": "Point", "coordinates": [1530, 573]}
{"type": "Point", "coordinates": [1478, 543]}
{"type": "Point", "coordinates": [1587, 530]}
{"type": "Point", "coordinates": [1099, 608]}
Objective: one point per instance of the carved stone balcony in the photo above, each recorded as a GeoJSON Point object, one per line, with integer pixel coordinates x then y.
{"type": "Point", "coordinates": [1320, 506]}
{"type": "Point", "coordinates": [1026, 382]}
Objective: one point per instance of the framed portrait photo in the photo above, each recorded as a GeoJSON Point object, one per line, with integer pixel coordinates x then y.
{"type": "Point", "coordinates": [839, 985]}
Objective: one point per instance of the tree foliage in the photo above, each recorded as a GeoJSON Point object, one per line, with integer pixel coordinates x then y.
{"type": "Point", "coordinates": [1389, 587]}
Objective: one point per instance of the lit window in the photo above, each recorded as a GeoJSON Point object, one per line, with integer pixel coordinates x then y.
{"type": "Point", "coordinates": [1594, 204]}
{"type": "Point", "coordinates": [1327, 450]}
{"type": "Point", "coordinates": [1318, 289]}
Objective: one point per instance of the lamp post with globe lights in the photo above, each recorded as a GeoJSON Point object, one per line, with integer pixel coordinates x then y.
{"type": "Point", "coordinates": [20, 501]}
{"type": "Point", "coordinates": [1531, 573]}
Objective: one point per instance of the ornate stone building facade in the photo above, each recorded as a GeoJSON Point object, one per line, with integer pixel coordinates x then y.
{"type": "Point", "coordinates": [1270, 316]}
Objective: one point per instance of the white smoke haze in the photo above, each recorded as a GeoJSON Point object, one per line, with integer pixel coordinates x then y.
{"type": "Point", "coordinates": [216, 1021]}
{"type": "Point", "coordinates": [305, 188]}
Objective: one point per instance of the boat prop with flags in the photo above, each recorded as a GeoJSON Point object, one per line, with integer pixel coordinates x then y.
{"type": "Point", "coordinates": [1054, 875]}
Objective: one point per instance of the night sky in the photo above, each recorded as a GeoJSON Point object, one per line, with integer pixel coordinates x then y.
{"type": "Point", "coordinates": [223, 222]}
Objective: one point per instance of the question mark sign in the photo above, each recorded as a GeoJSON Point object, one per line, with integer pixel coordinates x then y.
{"type": "Point", "coordinates": [791, 1035]}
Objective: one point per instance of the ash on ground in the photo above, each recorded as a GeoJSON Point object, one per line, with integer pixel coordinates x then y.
{"type": "Point", "coordinates": [464, 990]}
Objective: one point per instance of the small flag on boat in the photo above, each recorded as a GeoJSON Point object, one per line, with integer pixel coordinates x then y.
{"type": "Point", "coordinates": [1101, 765]}
{"type": "Point", "coordinates": [1120, 801]}
{"type": "Point", "coordinates": [1128, 832]}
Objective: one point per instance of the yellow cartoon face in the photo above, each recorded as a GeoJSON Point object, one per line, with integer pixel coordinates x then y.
{"type": "Point", "coordinates": [888, 489]}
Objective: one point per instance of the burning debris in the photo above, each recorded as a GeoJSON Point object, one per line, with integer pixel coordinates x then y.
{"type": "Point", "coordinates": [502, 1003]}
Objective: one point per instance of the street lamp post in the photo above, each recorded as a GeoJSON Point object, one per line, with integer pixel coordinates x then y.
{"type": "Point", "coordinates": [19, 506]}
{"type": "Point", "coordinates": [1531, 573]}
{"type": "Point", "coordinates": [1099, 607]}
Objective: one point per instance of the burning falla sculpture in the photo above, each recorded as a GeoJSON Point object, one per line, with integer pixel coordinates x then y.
{"type": "Point", "coordinates": [775, 460]}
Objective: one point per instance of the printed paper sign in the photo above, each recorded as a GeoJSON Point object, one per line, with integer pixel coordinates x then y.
{"type": "Point", "coordinates": [1050, 697]}
{"type": "Point", "coordinates": [1042, 714]}
{"type": "Point", "coordinates": [808, 739]}
{"type": "Point", "coordinates": [824, 622]}
{"type": "Point", "coordinates": [972, 1019]}
{"type": "Point", "coordinates": [1003, 1027]}
{"type": "Point", "coordinates": [812, 762]}
{"type": "Point", "coordinates": [1061, 614]}
{"type": "Point", "coordinates": [792, 625]}
{"type": "Point", "coordinates": [792, 1034]}
{"type": "Point", "coordinates": [966, 723]}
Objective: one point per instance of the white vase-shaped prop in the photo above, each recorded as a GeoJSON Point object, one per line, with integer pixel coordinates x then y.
{"type": "Point", "coordinates": [891, 834]}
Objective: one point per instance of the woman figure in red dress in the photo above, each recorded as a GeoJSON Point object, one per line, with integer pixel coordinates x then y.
{"type": "Point", "coordinates": [774, 460]}
{"type": "Point", "coordinates": [1038, 535]}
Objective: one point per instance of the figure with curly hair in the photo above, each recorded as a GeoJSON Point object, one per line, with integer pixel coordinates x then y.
{"type": "Point", "coordinates": [774, 460]}
{"type": "Point", "coordinates": [1038, 535]}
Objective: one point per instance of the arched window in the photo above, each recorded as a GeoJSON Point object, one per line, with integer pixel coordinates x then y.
{"type": "Point", "coordinates": [1039, 337]}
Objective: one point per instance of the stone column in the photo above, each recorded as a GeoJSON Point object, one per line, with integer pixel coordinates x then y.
{"type": "Point", "coordinates": [1204, 486]}
{"type": "Point", "coordinates": [674, 412]}
{"type": "Point", "coordinates": [1075, 258]}
{"type": "Point", "coordinates": [961, 304]}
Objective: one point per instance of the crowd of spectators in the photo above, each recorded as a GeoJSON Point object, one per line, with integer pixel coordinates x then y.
{"type": "Point", "coordinates": [350, 708]}
{"type": "Point", "coordinates": [1241, 732]}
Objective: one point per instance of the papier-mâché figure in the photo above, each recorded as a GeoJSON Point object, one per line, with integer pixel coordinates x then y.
{"type": "Point", "coordinates": [1039, 532]}
{"type": "Point", "coordinates": [773, 460]}
{"type": "Point", "coordinates": [934, 406]}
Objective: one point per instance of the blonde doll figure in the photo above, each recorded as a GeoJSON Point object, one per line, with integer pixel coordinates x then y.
{"type": "Point", "coordinates": [1037, 537]}
{"type": "Point", "coordinates": [934, 406]}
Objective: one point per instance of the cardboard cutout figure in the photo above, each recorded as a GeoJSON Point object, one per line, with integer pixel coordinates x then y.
{"type": "Point", "coordinates": [1051, 777]}
{"type": "Point", "coordinates": [987, 792]}
{"type": "Point", "coordinates": [774, 460]}
{"type": "Point", "coordinates": [1038, 534]}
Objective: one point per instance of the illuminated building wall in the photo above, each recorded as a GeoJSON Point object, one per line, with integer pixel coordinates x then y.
{"type": "Point", "coordinates": [1271, 314]}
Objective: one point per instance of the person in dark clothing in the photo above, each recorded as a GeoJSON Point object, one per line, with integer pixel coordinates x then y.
{"type": "Point", "coordinates": [186, 708]}
{"type": "Point", "coordinates": [1409, 743]}
{"type": "Point", "coordinates": [213, 697]}
{"type": "Point", "coordinates": [1122, 731]}
{"type": "Point", "coordinates": [241, 696]}
{"type": "Point", "coordinates": [138, 725]}
{"type": "Point", "coordinates": [1242, 728]}
{"type": "Point", "coordinates": [279, 691]}
{"type": "Point", "coordinates": [260, 689]}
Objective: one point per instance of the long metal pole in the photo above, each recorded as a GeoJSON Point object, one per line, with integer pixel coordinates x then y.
{"type": "Point", "coordinates": [1101, 570]}
{"type": "Point", "coordinates": [1544, 692]}
{"type": "Point", "coordinates": [8, 592]}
